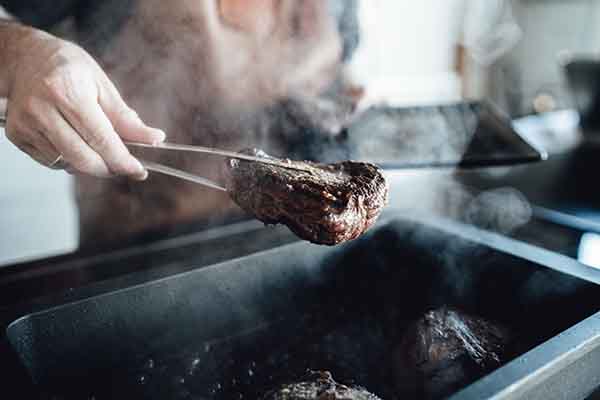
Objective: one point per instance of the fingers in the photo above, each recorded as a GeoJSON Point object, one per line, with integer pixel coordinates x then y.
{"type": "Point", "coordinates": [43, 151]}
{"type": "Point", "coordinates": [65, 105]}
{"type": "Point", "coordinates": [59, 138]}
{"type": "Point", "coordinates": [31, 151]}
{"type": "Point", "coordinates": [31, 142]}
{"type": "Point", "coordinates": [75, 151]}
{"type": "Point", "coordinates": [88, 145]}
{"type": "Point", "coordinates": [34, 145]}
{"type": "Point", "coordinates": [125, 121]}
{"type": "Point", "coordinates": [96, 130]}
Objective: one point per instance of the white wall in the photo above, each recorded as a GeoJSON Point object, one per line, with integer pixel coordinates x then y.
{"type": "Point", "coordinates": [38, 216]}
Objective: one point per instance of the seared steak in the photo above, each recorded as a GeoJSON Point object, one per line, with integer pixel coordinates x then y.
{"type": "Point", "coordinates": [446, 350]}
{"type": "Point", "coordinates": [322, 203]}
{"type": "Point", "coordinates": [319, 386]}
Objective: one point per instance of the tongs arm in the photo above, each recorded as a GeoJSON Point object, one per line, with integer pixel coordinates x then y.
{"type": "Point", "coordinates": [177, 173]}
{"type": "Point", "coordinates": [163, 169]}
{"type": "Point", "coordinates": [218, 152]}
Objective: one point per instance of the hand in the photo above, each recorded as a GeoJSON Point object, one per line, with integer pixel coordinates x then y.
{"type": "Point", "coordinates": [61, 103]}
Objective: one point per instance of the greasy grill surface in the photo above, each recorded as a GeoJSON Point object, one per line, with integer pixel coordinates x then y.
{"type": "Point", "coordinates": [322, 203]}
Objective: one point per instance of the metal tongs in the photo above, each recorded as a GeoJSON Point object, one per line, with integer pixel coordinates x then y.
{"type": "Point", "coordinates": [165, 169]}
{"type": "Point", "coordinates": [177, 173]}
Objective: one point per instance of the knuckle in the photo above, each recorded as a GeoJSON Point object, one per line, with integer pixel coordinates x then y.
{"type": "Point", "coordinates": [89, 166]}
{"type": "Point", "coordinates": [87, 163]}
{"type": "Point", "coordinates": [61, 88]}
{"type": "Point", "coordinates": [29, 105]}
{"type": "Point", "coordinates": [54, 85]}
{"type": "Point", "coordinates": [98, 140]}
{"type": "Point", "coordinates": [79, 160]}
{"type": "Point", "coordinates": [31, 114]}
{"type": "Point", "coordinates": [122, 166]}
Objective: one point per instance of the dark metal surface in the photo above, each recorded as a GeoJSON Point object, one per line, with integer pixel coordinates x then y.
{"type": "Point", "coordinates": [242, 326]}
{"type": "Point", "coordinates": [136, 263]}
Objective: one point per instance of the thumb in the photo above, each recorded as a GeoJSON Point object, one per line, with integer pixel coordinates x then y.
{"type": "Point", "coordinates": [125, 120]}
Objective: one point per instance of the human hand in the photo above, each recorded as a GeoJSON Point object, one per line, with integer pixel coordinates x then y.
{"type": "Point", "coordinates": [62, 106]}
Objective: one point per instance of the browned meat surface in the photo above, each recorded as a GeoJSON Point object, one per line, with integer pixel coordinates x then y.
{"type": "Point", "coordinates": [446, 350]}
{"type": "Point", "coordinates": [322, 203]}
{"type": "Point", "coordinates": [319, 386]}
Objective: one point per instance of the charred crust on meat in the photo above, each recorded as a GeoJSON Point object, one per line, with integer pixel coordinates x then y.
{"type": "Point", "coordinates": [319, 385]}
{"type": "Point", "coordinates": [322, 203]}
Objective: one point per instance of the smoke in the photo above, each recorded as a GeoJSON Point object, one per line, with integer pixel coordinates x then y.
{"type": "Point", "coordinates": [502, 210]}
{"type": "Point", "coordinates": [421, 194]}
{"type": "Point", "coordinates": [208, 84]}
{"type": "Point", "coordinates": [413, 135]}
{"type": "Point", "coordinates": [206, 81]}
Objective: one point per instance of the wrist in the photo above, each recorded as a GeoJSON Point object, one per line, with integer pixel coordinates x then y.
{"type": "Point", "coordinates": [16, 41]}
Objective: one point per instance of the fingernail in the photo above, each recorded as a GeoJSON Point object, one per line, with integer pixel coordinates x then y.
{"type": "Point", "coordinates": [160, 136]}
{"type": "Point", "coordinates": [142, 178]}
{"type": "Point", "coordinates": [138, 166]}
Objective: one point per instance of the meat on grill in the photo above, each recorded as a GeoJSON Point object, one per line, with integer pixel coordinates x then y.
{"type": "Point", "coordinates": [322, 203]}
{"type": "Point", "coordinates": [319, 386]}
{"type": "Point", "coordinates": [445, 350]}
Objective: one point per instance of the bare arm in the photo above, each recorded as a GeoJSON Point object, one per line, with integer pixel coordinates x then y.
{"type": "Point", "coordinates": [60, 102]}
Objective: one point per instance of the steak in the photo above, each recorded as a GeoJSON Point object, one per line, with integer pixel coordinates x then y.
{"type": "Point", "coordinates": [322, 203]}
{"type": "Point", "coordinates": [446, 350]}
{"type": "Point", "coordinates": [319, 386]}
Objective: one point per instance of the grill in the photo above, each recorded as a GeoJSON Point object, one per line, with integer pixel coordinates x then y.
{"type": "Point", "coordinates": [236, 329]}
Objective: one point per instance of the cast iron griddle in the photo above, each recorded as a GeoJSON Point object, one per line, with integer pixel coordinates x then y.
{"type": "Point", "coordinates": [237, 329]}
